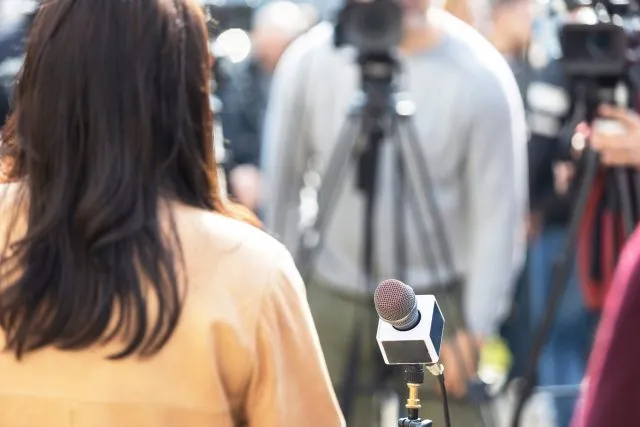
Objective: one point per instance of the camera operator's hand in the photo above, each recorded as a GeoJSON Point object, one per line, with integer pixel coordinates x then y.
{"type": "Point", "coordinates": [459, 355]}
{"type": "Point", "coordinates": [617, 147]}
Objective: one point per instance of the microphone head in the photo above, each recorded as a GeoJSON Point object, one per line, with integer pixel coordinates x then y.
{"type": "Point", "coordinates": [410, 327]}
{"type": "Point", "coordinates": [395, 303]}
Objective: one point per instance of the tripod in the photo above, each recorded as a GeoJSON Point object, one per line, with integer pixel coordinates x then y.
{"type": "Point", "coordinates": [588, 101]}
{"type": "Point", "coordinates": [377, 115]}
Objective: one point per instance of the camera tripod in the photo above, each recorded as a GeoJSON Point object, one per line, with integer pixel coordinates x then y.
{"type": "Point", "coordinates": [377, 115]}
{"type": "Point", "coordinates": [618, 180]}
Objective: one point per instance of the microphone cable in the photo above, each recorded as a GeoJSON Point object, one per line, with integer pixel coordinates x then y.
{"type": "Point", "coordinates": [445, 400]}
{"type": "Point", "coordinates": [437, 370]}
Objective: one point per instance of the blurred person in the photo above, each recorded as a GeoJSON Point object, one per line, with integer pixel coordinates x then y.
{"type": "Point", "coordinates": [15, 17]}
{"type": "Point", "coordinates": [244, 96]}
{"type": "Point", "coordinates": [509, 28]}
{"type": "Point", "coordinates": [131, 293]}
{"type": "Point", "coordinates": [461, 9]}
{"type": "Point", "coordinates": [471, 127]}
{"type": "Point", "coordinates": [5, 105]}
{"type": "Point", "coordinates": [311, 12]}
{"type": "Point", "coordinates": [549, 102]}
{"type": "Point", "coordinates": [510, 32]}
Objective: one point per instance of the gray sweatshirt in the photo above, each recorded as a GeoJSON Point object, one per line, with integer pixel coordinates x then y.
{"type": "Point", "coordinates": [471, 126]}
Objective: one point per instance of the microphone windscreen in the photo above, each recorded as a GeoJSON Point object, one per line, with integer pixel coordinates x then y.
{"type": "Point", "coordinates": [394, 300]}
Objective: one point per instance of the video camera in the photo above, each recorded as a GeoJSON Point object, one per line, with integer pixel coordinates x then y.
{"type": "Point", "coordinates": [604, 47]}
{"type": "Point", "coordinates": [373, 27]}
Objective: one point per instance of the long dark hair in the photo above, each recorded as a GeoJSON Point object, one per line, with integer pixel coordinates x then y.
{"type": "Point", "coordinates": [111, 124]}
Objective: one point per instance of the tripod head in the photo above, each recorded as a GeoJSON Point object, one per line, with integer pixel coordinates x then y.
{"type": "Point", "coordinates": [375, 107]}
{"type": "Point", "coordinates": [377, 74]}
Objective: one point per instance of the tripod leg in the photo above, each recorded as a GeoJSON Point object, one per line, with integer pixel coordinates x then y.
{"type": "Point", "coordinates": [635, 177]}
{"type": "Point", "coordinates": [428, 250]}
{"type": "Point", "coordinates": [346, 150]}
{"type": "Point", "coordinates": [418, 174]}
{"type": "Point", "coordinates": [401, 231]}
{"type": "Point", "coordinates": [367, 173]}
{"type": "Point", "coordinates": [624, 192]}
{"type": "Point", "coordinates": [427, 244]}
{"type": "Point", "coordinates": [559, 276]}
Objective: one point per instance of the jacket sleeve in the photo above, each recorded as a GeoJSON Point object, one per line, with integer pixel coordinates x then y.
{"type": "Point", "coordinates": [496, 181]}
{"type": "Point", "coordinates": [290, 383]}
{"type": "Point", "coordinates": [286, 146]}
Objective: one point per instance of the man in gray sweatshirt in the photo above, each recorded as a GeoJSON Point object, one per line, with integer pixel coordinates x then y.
{"type": "Point", "coordinates": [470, 121]}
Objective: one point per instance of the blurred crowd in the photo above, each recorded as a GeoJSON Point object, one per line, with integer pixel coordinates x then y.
{"type": "Point", "coordinates": [525, 33]}
{"type": "Point", "coordinates": [274, 163]}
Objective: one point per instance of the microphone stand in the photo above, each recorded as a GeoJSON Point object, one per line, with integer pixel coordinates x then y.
{"type": "Point", "coordinates": [414, 378]}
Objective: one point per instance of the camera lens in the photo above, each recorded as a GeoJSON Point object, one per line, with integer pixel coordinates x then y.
{"type": "Point", "coordinates": [374, 27]}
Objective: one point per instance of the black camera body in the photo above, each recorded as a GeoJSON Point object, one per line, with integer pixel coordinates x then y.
{"type": "Point", "coordinates": [600, 56]}
{"type": "Point", "coordinates": [594, 50]}
{"type": "Point", "coordinates": [601, 50]}
{"type": "Point", "coordinates": [372, 28]}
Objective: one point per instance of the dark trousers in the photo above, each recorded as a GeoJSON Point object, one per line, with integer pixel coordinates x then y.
{"type": "Point", "coordinates": [564, 358]}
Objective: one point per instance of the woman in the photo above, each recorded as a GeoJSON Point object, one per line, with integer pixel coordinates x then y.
{"type": "Point", "coordinates": [130, 293]}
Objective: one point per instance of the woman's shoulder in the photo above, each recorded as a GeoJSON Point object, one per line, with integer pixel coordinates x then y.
{"type": "Point", "coordinates": [228, 247]}
{"type": "Point", "coordinates": [230, 234]}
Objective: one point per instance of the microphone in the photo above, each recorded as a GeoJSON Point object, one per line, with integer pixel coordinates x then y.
{"type": "Point", "coordinates": [410, 328]}
{"type": "Point", "coordinates": [409, 333]}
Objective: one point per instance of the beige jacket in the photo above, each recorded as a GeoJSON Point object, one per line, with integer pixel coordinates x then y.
{"type": "Point", "coordinates": [246, 352]}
